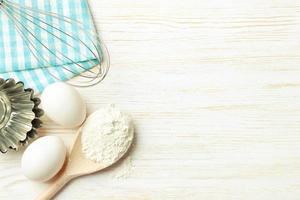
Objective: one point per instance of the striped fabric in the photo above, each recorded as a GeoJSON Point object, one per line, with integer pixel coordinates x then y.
{"type": "Point", "coordinates": [54, 54]}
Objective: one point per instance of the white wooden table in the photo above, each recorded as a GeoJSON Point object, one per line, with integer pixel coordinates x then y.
{"type": "Point", "coordinates": [214, 90]}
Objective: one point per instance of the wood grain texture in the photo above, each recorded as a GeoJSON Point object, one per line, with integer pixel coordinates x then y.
{"type": "Point", "coordinates": [214, 89]}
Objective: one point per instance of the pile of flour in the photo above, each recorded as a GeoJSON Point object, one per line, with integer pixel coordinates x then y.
{"type": "Point", "coordinates": [106, 135]}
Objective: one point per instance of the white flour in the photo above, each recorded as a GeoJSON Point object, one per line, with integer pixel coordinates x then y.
{"type": "Point", "coordinates": [107, 135]}
{"type": "Point", "coordinates": [125, 169]}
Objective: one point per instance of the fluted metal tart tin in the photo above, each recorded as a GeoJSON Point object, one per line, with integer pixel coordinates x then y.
{"type": "Point", "coordinates": [19, 114]}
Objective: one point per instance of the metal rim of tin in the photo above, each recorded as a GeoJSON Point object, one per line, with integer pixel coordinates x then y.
{"type": "Point", "coordinates": [19, 114]}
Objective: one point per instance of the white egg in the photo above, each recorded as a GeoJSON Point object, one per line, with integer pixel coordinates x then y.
{"type": "Point", "coordinates": [64, 105]}
{"type": "Point", "coordinates": [44, 158]}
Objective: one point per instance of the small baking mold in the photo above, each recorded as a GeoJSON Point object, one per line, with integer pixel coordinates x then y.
{"type": "Point", "coordinates": [19, 115]}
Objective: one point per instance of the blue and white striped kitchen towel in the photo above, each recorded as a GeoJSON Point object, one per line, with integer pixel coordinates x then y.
{"type": "Point", "coordinates": [16, 59]}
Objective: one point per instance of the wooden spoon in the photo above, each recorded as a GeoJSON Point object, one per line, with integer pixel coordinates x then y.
{"type": "Point", "coordinates": [76, 165]}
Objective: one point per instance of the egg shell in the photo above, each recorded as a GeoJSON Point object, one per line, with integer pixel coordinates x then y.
{"type": "Point", "coordinates": [44, 158]}
{"type": "Point", "coordinates": [63, 104]}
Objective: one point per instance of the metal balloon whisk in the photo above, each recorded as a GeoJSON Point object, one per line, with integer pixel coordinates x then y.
{"type": "Point", "coordinates": [52, 41]}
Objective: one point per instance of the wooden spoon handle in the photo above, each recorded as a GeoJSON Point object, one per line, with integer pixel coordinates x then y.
{"type": "Point", "coordinates": [58, 184]}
